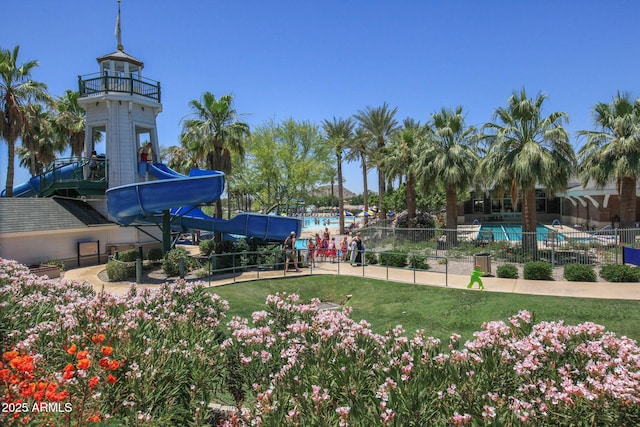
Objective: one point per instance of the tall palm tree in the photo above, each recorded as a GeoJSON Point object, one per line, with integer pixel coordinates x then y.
{"type": "Point", "coordinates": [215, 131]}
{"type": "Point", "coordinates": [359, 149]}
{"type": "Point", "coordinates": [16, 90]}
{"type": "Point", "coordinates": [401, 159]}
{"type": "Point", "coordinates": [448, 158]}
{"type": "Point", "coordinates": [70, 122]}
{"type": "Point", "coordinates": [380, 124]}
{"type": "Point", "coordinates": [528, 149]}
{"type": "Point", "coordinates": [38, 140]}
{"type": "Point", "coordinates": [613, 152]}
{"type": "Point", "coordinates": [339, 132]}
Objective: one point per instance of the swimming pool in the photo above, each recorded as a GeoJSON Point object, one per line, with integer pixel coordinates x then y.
{"type": "Point", "coordinates": [512, 232]}
{"type": "Point", "coordinates": [315, 222]}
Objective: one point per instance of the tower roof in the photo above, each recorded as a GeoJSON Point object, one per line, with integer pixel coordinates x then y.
{"type": "Point", "coordinates": [121, 56]}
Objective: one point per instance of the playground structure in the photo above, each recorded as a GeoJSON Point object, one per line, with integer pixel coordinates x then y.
{"type": "Point", "coordinates": [134, 190]}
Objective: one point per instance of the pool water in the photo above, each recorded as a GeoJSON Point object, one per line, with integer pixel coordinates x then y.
{"type": "Point", "coordinates": [512, 232]}
{"type": "Point", "coordinates": [310, 222]}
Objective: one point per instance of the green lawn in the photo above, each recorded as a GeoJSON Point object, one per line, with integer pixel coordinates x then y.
{"type": "Point", "coordinates": [438, 311]}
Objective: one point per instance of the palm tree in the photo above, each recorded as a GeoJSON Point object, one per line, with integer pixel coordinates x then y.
{"type": "Point", "coordinates": [37, 139]}
{"type": "Point", "coordinates": [401, 159]}
{"type": "Point", "coordinates": [448, 159]}
{"type": "Point", "coordinates": [359, 149]}
{"type": "Point", "coordinates": [339, 132]}
{"type": "Point", "coordinates": [16, 90]}
{"type": "Point", "coordinates": [613, 152]}
{"type": "Point", "coordinates": [380, 124]}
{"type": "Point", "coordinates": [70, 122]}
{"type": "Point", "coordinates": [215, 131]}
{"type": "Point", "coordinates": [528, 149]}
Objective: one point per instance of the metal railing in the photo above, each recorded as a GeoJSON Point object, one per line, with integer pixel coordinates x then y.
{"type": "Point", "coordinates": [96, 84]}
{"type": "Point", "coordinates": [557, 246]}
{"type": "Point", "coordinates": [380, 265]}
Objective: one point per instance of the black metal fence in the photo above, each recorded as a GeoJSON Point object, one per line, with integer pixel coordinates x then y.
{"type": "Point", "coordinates": [558, 245]}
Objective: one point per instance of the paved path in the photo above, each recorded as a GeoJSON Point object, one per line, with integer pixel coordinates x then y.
{"type": "Point", "coordinates": [628, 291]}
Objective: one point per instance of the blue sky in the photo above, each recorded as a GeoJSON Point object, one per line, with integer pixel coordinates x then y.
{"type": "Point", "coordinates": [312, 60]}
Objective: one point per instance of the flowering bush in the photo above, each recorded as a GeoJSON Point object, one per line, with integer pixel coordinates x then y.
{"type": "Point", "coordinates": [148, 356]}
{"type": "Point", "coordinates": [160, 357]}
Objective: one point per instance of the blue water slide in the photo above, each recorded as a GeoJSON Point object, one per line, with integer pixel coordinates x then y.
{"type": "Point", "coordinates": [142, 201]}
{"type": "Point", "coordinates": [33, 186]}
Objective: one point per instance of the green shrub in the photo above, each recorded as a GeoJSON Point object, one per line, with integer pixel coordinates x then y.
{"type": "Point", "coordinates": [370, 258]}
{"type": "Point", "coordinates": [507, 271]}
{"type": "Point", "coordinates": [579, 273]}
{"type": "Point", "coordinates": [538, 270]}
{"type": "Point", "coordinates": [620, 273]}
{"type": "Point", "coordinates": [207, 246]}
{"type": "Point", "coordinates": [155, 254]}
{"type": "Point", "coordinates": [54, 263]}
{"type": "Point", "coordinates": [418, 261]}
{"type": "Point", "coordinates": [128, 256]}
{"type": "Point", "coordinates": [226, 261]}
{"type": "Point", "coordinates": [393, 258]}
{"type": "Point", "coordinates": [171, 263]}
{"type": "Point", "coordinates": [118, 271]}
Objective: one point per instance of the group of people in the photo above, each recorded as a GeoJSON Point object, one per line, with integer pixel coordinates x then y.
{"type": "Point", "coordinates": [323, 248]}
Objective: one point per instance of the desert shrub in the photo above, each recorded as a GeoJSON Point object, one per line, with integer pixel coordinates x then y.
{"type": "Point", "coordinates": [54, 263]}
{"type": "Point", "coordinates": [418, 261]}
{"type": "Point", "coordinates": [171, 263]}
{"type": "Point", "coordinates": [155, 254]}
{"type": "Point", "coordinates": [507, 271]}
{"type": "Point", "coordinates": [370, 258]}
{"type": "Point", "coordinates": [128, 255]}
{"type": "Point", "coordinates": [393, 258]}
{"type": "Point", "coordinates": [538, 270]}
{"type": "Point", "coordinates": [117, 270]}
{"type": "Point", "coordinates": [207, 246]}
{"type": "Point", "coordinates": [620, 273]}
{"type": "Point", "coordinates": [579, 273]}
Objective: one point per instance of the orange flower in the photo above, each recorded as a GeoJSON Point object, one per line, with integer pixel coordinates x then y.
{"type": "Point", "coordinates": [114, 364]}
{"type": "Point", "coordinates": [72, 350]}
{"type": "Point", "coordinates": [94, 418]}
{"type": "Point", "coordinates": [111, 379]}
{"type": "Point", "coordinates": [107, 350]}
{"type": "Point", "coordinates": [9, 355]}
{"type": "Point", "coordinates": [97, 338]}
{"type": "Point", "coordinates": [82, 354]}
{"type": "Point", "coordinates": [104, 363]}
{"type": "Point", "coordinates": [83, 364]}
{"type": "Point", "coordinates": [67, 375]}
{"type": "Point", "coordinates": [93, 382]}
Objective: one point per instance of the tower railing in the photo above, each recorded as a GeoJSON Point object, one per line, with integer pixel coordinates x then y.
{"type": "Point", "coordinates": [97, 84]}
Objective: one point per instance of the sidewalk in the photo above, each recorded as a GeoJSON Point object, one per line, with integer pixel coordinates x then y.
{"type": "Point", "coordinates": [606, 290]}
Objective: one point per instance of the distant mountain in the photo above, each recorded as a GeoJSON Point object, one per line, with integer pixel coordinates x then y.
{"type": "Point", "coordinates": [325, 190]}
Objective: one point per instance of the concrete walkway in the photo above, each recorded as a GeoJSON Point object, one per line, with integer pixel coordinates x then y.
{"type": "Point", "coordinates": [625, 291]}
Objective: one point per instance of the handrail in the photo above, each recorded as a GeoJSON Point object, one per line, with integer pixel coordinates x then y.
{"type": "Point", "coordinates": [91, 86]}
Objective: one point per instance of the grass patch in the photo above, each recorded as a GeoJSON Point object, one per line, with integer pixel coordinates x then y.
{"type": "Point", "coordinates": [439, 311]}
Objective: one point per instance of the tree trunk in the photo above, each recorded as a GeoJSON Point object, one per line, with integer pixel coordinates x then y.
{"type": "Point", "coordinates": [365, 188]}
{"type": "Point", "coordinates": [11, 168]}
{"type": "Point", "coordinates": [627, 208]}
{"type": "Point", "coordinates": [340, 196]}
{"type": "Point", "coordinates": [529, 221]}
{"type": "Point", "coordinates": [452, 215]}
{"type": "Point", "coordinates": [381, 190]}
{"type": "Point", "coordinates": [411, 199]}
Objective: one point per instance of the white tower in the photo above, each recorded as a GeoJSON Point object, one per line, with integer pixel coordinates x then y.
{"type": "Point", "coordinates": [121, 108]}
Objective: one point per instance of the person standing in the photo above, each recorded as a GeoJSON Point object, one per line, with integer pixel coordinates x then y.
{"type": "Point", "coordinates": [289, 245]}
{"type": "Point", "coordinates": [311, 249]}
{"type": "Point", "coordinates": [344, 245]}
{"type": "Point", "coordinates": [359, 250]}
